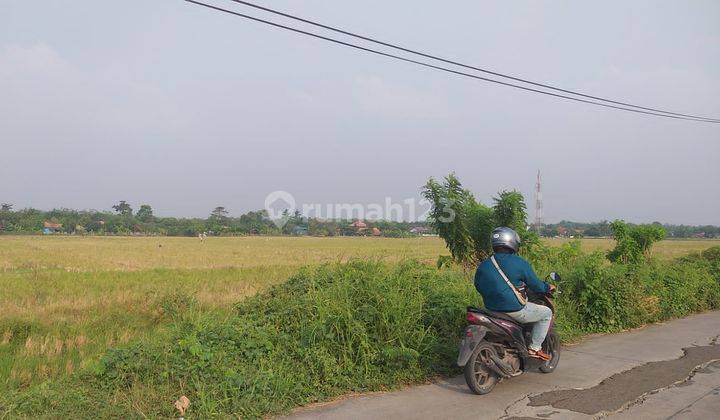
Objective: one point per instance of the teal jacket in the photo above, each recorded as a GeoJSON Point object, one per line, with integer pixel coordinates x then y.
{"type": "Point", "coordinates": [496, 293]}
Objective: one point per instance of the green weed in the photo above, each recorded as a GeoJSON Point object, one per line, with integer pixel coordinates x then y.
{"type": "Point", "coordinates": [329, 330]}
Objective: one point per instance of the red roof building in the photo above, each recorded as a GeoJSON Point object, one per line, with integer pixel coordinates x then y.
{"type": "Point", "coordinates": [358, 224]}
{"type": "Point", "coordinates": [50, 227]}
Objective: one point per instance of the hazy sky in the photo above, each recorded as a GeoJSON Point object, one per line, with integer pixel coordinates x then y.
{"type": "Point", "coordinates": [171, 104]}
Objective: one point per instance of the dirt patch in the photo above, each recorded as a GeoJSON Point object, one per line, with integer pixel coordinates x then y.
{"type": "Point", "coordinates": [616, 391]}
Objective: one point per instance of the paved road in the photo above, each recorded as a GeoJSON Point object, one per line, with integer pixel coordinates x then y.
{"type": "Point", "coordinates": [681, 389]}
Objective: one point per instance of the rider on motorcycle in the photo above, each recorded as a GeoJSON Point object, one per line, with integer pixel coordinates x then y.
{"type": "Point", "coordinates": [499, 296]}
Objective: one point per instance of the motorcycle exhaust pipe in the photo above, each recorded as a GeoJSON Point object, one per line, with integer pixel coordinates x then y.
{"type": "Point", "coordinates": [501, 368]}
{"type": "Point", "coordinates": [492, 365]}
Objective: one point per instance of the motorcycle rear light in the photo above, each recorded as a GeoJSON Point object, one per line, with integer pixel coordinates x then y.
{"type": "Point", "coordinates": [475, 318]}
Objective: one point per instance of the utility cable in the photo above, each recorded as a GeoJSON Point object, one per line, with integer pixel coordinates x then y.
{"type": "Point", "coordinates": [432, 66]}
{"type": "Point", "coordinates": [486, 71]}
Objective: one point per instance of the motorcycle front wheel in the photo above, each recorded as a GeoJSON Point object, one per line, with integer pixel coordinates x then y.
{"type": "Point", "coordinates": [551, 346]}
{"type": "Point", "coordinates": [478, 376]}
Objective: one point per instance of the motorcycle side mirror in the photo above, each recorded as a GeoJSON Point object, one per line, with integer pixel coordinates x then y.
{"type": "Point", "coordinates": [554, 276]}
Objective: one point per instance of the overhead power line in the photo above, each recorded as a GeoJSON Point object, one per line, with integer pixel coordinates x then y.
{"type": "Point", "coordinates": [445, 69]}
{"type": "Point", "coordinates": [445, 60]}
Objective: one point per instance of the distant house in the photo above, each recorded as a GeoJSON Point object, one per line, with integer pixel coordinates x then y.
{"type": "Point", "coordinates": [420, 230]}
{"type": "Point", "coordinates": [300, 230]}
{"type": "Point", "coordinates": [50, 227]}
{"type": "Point", "coordinates": [358, 226]}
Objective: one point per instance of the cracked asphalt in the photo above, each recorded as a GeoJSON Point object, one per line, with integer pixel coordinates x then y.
{"type": "Point", "coordinates": [613, 393]}
{"type": "Point", "coordinates": [616, 374]}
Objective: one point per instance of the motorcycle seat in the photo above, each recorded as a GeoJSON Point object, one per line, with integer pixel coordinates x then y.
{"type": "Point", "coordinates": [493, 314]}
{"type": "Point", "coordinates": [501, 315]}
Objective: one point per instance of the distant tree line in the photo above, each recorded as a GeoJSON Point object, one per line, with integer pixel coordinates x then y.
{"type": "Point", "coordinates": [604, 229]}
{"type": "Point", "coordinates": [124, 220]}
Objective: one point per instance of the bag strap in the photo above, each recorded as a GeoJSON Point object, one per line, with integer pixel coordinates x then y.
{"type": "Point", "coordinates": [518, 295]}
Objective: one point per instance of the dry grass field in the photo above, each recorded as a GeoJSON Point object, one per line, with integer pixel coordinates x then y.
{"type": "Point", "coordinates": [65, 300]}
{"type": "Point", "coordinates": [82, 254]}
{"type": "Point", "coordinates": [141, 253]}
{"type": "Point", "coordinates": [669, 248]}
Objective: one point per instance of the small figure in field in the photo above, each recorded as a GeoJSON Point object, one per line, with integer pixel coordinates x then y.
{"type": "Point", "coordinates": [501, 280]}
{"type": "Point", "coordinates": [202, 236]}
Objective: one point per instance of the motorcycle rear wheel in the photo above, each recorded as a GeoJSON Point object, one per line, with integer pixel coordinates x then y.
{"type": "Point", "coordinates": [479, 377]}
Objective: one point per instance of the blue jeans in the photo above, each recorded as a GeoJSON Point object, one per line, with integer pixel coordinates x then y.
{"type": "Point", "coordinates": [541, 316]}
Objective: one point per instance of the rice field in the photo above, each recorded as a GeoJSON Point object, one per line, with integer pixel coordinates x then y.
{"type": "Point", "coordinates": [65, 300]}
{"type": "Point", "coordinates": [141, 253]}
{"type": "Point", "coordinates": [669, 248]}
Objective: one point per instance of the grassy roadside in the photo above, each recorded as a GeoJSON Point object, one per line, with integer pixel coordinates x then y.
{"type": "Point", "coordinates": [66, 300]}
{"type": "Point", "coordinates": [56, 322]}
{"type": "Point", "coordinates": [350, 327]}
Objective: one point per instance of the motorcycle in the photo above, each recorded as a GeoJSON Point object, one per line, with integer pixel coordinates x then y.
{"type": "Point", "coordinates": [495, 345]}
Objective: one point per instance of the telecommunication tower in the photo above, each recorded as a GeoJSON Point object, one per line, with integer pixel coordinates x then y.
{"type": "Point", "coordinates": [538, 205]}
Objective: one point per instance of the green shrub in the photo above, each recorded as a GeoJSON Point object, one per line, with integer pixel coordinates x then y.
{"type": "Point", "coordinates": [598, 296]}
{"type": "Point", "coordinates": [353, 327]}
{"type": "Point", "coordinates": [686, 286]}
{"type": "Point", "coordinates": [633, 243]}
{"type": "Point", "coordinates": [466, 224]}
{"type": "Point", "coordinates": [367, 326]}
{"type": "Point", "coordinates": [712, 254]}
{"type": "Point", "coordinates": [176, 304]}
{"type": "Point", "coordinates": [602, 296]}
